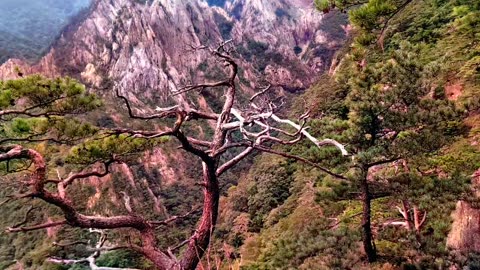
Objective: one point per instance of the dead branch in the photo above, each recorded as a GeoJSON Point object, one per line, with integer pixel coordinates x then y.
{"type": "Point", "coordinates": [162, 114]}
{"type": "Point", "coordinates": [5, 201]}
{"type": "Point", "coordinates": [189, 88]}
{"type": "Point", "coordinates": [310, 137]}
{"type": "Point", "coordinates": [381, 37]}
{"type": "Point", "coordinates": [91, 260]}
{"type": "Point", "coordinates": [306, 161]}
{"type": "Point", "coordinates": [232, 162]}
{"type": "Point", "coordinates": [173, 219]}
{"type": "Point", "coordinates": [36, 227]}
{"type": "Point", "coordinates": [411, 221]}
{"type": "Point", "coordinates": [126, 201]}
{"type": "Point", "coordinates": [28, 111]}
{"type": "Point", "coordinates": [263, 91]}
{"type": "Point", "coordinates": [86, 174]}
{"type": "Point", "coordinates": [333, 226]}
{"type": "Point", "coordinates": [25, 219]}
{"type": "Point", "coordinates": [70, 244]}
{"type": "Point", "coordinates": [418, 222]}
{"type": "Point", "coordinates": [384, 161]}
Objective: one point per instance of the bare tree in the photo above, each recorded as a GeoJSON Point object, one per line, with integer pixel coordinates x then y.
{"type": "Point", "coordinates": [412, 219]}
{"type": "Point", "coordinates": [258, 123]}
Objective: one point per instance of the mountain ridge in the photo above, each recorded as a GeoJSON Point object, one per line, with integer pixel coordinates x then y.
{"type": "Point", "coordinates": [141, 50]}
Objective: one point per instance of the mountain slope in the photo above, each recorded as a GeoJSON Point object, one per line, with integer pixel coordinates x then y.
{"type": "Point", "coordinates": [28, 28]}
{"type": "Point", "coordinates": [287, 215]}
{"type": "Point", "coordinates": [144, 48]}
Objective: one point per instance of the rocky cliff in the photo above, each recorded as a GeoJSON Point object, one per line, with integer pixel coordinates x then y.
{"type": "Point", "coordinates": [143, 47]}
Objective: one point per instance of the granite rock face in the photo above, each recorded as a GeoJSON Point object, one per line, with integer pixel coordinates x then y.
{"type": "Point", "coordinates": [465, 233]}
{"type": "Point", "coordinates": [464, 236]}
{"type": "Point", "coordinates": [145, 48]}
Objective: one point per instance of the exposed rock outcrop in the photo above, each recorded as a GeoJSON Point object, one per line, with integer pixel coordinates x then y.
{"type": "Point", "coordinates": [465, 233]}
{"type": "Point", "coordinates": [144, 48]}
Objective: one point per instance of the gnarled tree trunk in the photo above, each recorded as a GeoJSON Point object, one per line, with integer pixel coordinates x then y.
{"type": "Point", "coordinates": [199, 243]}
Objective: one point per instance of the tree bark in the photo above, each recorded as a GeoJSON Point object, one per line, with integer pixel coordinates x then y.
{"type": "Point", "coordinates": [367, 237]}
{"type": "Point", "coordinates": [199, 243]}
{"type": "Point", "coordinates": [406, 214]}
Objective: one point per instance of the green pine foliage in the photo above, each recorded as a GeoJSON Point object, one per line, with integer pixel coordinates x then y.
{"type": "Point", "coordinates": [57, 117]}
{"type": "Point", "coordinates": [57, 96]}
{"type": "Point", "coordinates": [103, 149]}
{"type": "Point", "coordinates": [383, 102]}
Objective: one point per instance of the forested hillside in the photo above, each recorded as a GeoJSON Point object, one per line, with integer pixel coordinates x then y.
{"type": "Point", "coordinates": [28, 28]}
{"type": "Point", "coordinates": [375, 166]}
{"type": "Point", "coordinates": [404, 99]}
